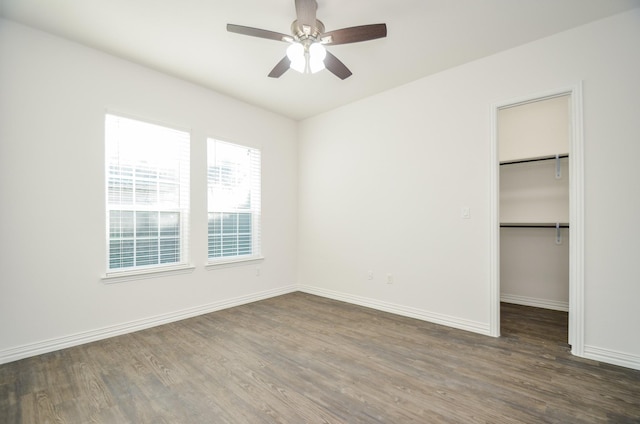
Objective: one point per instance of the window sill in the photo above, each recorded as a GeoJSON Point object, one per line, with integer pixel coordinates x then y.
{"type": "Point", "coordinates": [233, 262]}
{"type": "Point", "coordinates": [119, 277]}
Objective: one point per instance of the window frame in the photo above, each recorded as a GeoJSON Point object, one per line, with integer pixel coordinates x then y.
{"type": "Point", "coordinates": [182, 206]}
{"type": "Point", "coordinates": [255, 208]}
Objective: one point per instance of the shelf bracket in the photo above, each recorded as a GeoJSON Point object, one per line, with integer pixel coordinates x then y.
{"type": "Point", "coordinates": [558, 167]}
{"type": "Point", "coordinates": [558, 234]}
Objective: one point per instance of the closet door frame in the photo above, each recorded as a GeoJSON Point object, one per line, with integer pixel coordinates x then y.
{"type": "Point", "coordinates": [576, 214]}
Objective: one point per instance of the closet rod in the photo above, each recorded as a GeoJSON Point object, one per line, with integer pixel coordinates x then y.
{"type": "Point", "coordinates": [534, 226]}
{"type": "Point", "coordinates": [512, 162]}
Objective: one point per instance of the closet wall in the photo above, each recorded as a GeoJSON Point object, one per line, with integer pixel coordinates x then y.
{"type": "Point", "coordinates": [534, 203]}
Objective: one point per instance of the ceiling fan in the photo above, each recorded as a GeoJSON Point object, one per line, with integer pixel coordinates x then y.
{"type": "Point", "coordinates": [306, 52]}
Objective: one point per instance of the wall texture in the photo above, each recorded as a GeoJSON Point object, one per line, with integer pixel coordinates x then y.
{"type": "Point", "coordinates": [54, 97]}
{"type": "Point", "coordinates": [383, 181]}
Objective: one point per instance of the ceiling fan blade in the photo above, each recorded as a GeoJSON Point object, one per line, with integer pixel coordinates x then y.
{"type": "Point", "coordinates": [260, 33]}
{"type": "Point", "coordinates": [354, 34]}
{"type": "Point", "coordinates": [306, 12]}
{"type": "Point", "coordinates": [336, 67]}
{"type": "Point", "coordinates": [280, 68]}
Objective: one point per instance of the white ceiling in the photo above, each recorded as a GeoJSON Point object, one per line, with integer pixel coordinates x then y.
{"type": "Point", "coordinates": [188, 39]}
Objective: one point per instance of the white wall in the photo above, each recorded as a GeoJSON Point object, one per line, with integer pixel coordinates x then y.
{"type": "Point", "coordinates": [534, 270]}
{"type": "Point", "coordinates": [52, 221]}
{"type": "Point", "coordinates": [382, 182]}
{"type": "Point", "coordinates": [530, 192]}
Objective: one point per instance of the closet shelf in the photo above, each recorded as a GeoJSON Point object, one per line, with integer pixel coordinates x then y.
{"type": "Point", "coordinates": [553, 157]}
{"type": "Point", "coordinates": [534, 225]}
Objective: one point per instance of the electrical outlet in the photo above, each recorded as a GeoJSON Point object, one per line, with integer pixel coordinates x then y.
{"type": "Point", "coordinates": [389, 279]}
{"type": "Point", "coordinates": [369, 275]}
{"type": "Point", "coordinates": [257, 271]}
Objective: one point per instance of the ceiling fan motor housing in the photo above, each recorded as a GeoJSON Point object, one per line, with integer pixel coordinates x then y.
{"type": "Point", "coordinates": [306, 32]}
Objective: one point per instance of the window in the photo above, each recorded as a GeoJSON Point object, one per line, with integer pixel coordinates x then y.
{"type": "Point", "coordinates": [233, 183]}
{"type": "Point", "coordinates": [147, 186]}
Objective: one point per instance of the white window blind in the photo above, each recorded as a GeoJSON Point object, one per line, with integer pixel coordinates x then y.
{"type": "Point", "coordinates": [233, 183]}
{"type": "Point", "coordinates": [147, 187]}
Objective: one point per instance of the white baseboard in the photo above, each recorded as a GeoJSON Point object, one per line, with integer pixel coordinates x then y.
{"type": "Point", "coordinates": [612, 357]}
{"type": "Point", "coordinates": [32, 349]}
{"type": "Point", "coordinates": [556, 305]}
{"type": "Point", "coordinates": [455, 322]}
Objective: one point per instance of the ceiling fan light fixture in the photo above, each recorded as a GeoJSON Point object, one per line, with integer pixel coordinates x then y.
{"type": "Point", "coordinates": [295, 53]}
{"type": "Point", "coordinates": [317, 53]}
{"type": "Point", "coordinates": [306, 53]}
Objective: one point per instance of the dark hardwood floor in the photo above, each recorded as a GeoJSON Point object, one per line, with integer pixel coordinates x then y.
{"type": "Point", "coordinates": [304, 359]}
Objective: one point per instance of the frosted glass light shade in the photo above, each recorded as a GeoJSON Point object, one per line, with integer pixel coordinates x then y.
{"type": "Point", "coordinates": [295, 53]}
{"type": "Point", "coordinates": [317, 53]}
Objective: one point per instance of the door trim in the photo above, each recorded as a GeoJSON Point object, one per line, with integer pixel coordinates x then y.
{"type": "Point", "coordinates": [576, 214]}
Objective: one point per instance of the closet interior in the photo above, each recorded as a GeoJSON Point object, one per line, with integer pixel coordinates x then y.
{"type": "Point", "coordinates": [533, 146]}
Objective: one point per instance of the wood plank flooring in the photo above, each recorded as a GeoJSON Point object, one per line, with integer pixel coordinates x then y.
{"type": "Point", "coordinates": [299, 358]}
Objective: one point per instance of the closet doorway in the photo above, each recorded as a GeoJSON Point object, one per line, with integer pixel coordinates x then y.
{"type": "Point", "coordinates": [537, 212]}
